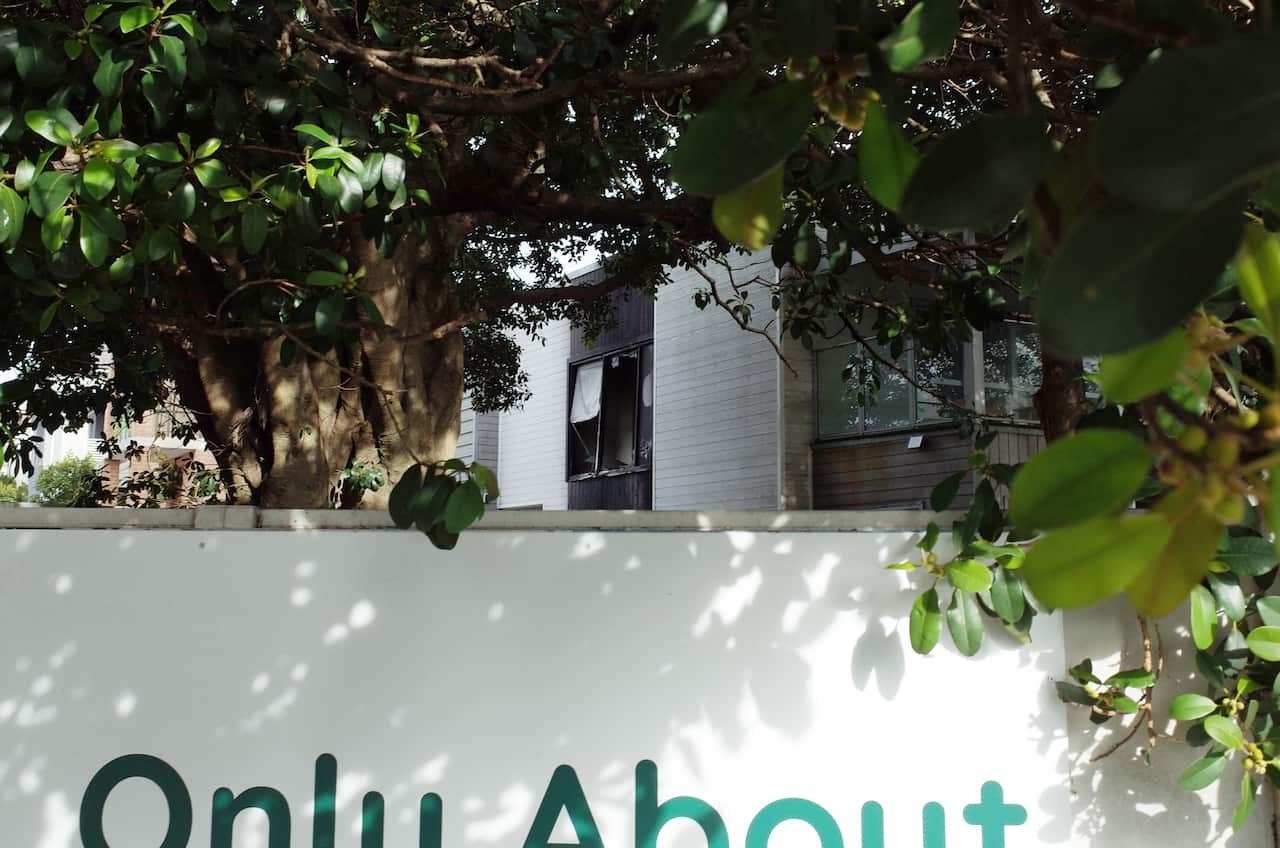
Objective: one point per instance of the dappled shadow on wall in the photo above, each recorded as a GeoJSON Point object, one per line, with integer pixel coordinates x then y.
{"type": "Point", "coordinates": [749, 667]}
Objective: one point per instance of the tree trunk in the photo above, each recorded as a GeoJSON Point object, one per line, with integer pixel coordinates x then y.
{"type": "Point", "coordinates": [1060, 401]}
{"type": "Point", "coordinates": [283, 433]}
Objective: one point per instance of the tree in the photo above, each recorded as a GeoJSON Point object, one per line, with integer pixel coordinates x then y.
{"type": "Point", "coordinates": [314, 220]}
{"type": "Point", "coordinates": [11, 491]}
{"type": "Point", "coordinates": [75, 481]}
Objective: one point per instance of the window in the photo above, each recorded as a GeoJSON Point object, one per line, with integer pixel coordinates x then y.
{"type": "Point", "coordinates": [849, 401]}
{"type": "Point", "coordinates": [611, 412]}
{"type": "Point", "coordinates": [1011, 370]}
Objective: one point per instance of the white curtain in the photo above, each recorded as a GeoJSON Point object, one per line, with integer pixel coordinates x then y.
{"type": "Point", "coordinates": [586, 393]}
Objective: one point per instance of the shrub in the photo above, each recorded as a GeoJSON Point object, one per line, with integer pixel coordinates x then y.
{"type": "Point", "coordinates": [74, 481]}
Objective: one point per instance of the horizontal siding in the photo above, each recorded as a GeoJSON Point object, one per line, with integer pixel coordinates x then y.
{"type": "Point", "coordinates": [715, 398]}
{"type": "Point", "coordinates": [466, 450]}
{"type": "Point", "coordinates": [486, 438]}
{"type": "Point", "coordinates": [531, 439]}
{"type": "Point", "coordinates": [885, 472]}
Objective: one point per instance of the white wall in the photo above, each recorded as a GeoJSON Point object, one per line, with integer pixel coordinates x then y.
{"type": "Point", "coordinates": [750, 666]}
{"type": "Point", "coordinates": [466, 450]}
{"type": "Point", "coordinates": [531, 439]}
{"type": "Point", "coordinates": [715, 397]}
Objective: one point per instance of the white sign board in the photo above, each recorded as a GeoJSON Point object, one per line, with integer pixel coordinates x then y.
{"type": "Point", "coordinates": [334, 689]}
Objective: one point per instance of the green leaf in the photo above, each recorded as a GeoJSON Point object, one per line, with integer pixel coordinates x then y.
{"type": "Point", "coordinates": [109, 76]}
{"type": "Point", "coordinates": [1184, 561]}
{"type": "Point", "coordinates": [765, 128]}
{"type": "Point", "coordinates": [329, 311]}
{"type": "Point", "coordinates": [163, 151]}
{"type": "Point", "coordinates": [1086, 474]}
{"type": "Point", "coordinates": [47, 315]}
{"type": "Point", "coordinates": [1244, 809]}
{"type": "Point", "coordinates": [317, 132]}
{"type": "Point", "coordinates": [1126, 276]}
{"type": "Point", "coordinates": [1190, 706]}
{"type": "Point", "coordinates": [392, 172]}
{"type": "Point", "coordinates": [1204, 617]}
{"type": "Point", "coordinates": [253, 228]}
{"type": "Point", "coordinates": [1134, 678]}
{"type": "Point", "coordinates": [47, 126]}
{"type": "Point", "coordinates": [1226, 589]}
{"type": "Point", "coordinates": [207, 148]}
{"type": "Point", "coordinates": [1144, 371]}
{"type": "Point", "coordinates": [964, 622]}
{"type": "Point", "coordinates": [50, 192]}
{"type": "Point", "coordinates": [945, 492]}
{"type": "Point", "coordinates": [371, 172]}
{"type": "Point", "coordinates": [119, 148]}
{"type": "Point", "coordinates": [1257, 271]}
{"type": "Point", "coordinates": [464, 508]}
{"type": "Point", "coordinates": [685, 23]}
{"type": "Point", "coordinates": [1222, 97]}
{"type": "Point", "coordinates": [750, 216]}
{"type": "Point", "coordinates": [887, 158]}
{"type": "Point", "coordinates": [326, 278]}
{"type": "Point", "coordinates": [1202, 772]}
{"type": "Point", "coordinates": [1007, 598]}
{"type": "Point", "coordinates": [926, 622]}
{"type": "Point", "coordinates": [1224, 731]}
{"type": "Point", "coordinates": [807, 27]}
{"type": "Point", "coordinates": [24, 175]}
{"type": "Point", "coordinates": [1072, 694]}
{"type": "Point", "coordinates": [402, 494]}
{"type": "Point", "coordinates": [350, 196]}
{"type": "Point", "coordinates": [122, 267]}
{"type": "Point", "coordinates": [1269, 610]}
{"type": "Point", "coordinates": [136, 17]}
{"type": "Point", "coordinates": [56, 229]}
{"type": "Point", "coordinates": [13, 214]}
{"type": "Point", "coordinates": [978, 176]}
{"type": "Point", "coordinates": [1264, 642]}
{"type": "Point", "coordinates": [428, 504]}
{"type": "Point", "coordinates": [927, 32]}
{"type": "Point", "coordinates": [93, 242]}
{"type": "Point", "coordinates": [969, 575]}
{"type": "Point", "coordinates": [213, 175]}
{"type": "Point", "coordinates": [99, 178]}
{"type": "Point", "coordinates": [487, 480]}
{"type": "Point", "coordinates": [441, 537]}
{"type": "Point", "coordinates": [175, 59]}
{"type": "Point", "coordinates": [930, 537]}
{"type": "Point", "coordinates": [1080, 565]}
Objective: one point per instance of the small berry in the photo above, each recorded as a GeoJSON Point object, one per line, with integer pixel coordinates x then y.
{"type": "Point", "coordinates": [1193, 440]}
{"type": "Point", "coordinates": [1223, 451]}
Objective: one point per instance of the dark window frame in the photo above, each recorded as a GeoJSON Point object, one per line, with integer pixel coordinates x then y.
{"type": "Point", "coordinates": [639, 465]}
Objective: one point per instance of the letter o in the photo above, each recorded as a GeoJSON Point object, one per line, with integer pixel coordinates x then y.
{"type": "Point", "coordinates": [787, 809]}
{"type": "Point", "coordinates": [120, 769]}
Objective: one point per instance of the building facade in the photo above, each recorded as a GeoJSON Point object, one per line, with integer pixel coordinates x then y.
{"type": "Point", "coordinates": [680, 408]}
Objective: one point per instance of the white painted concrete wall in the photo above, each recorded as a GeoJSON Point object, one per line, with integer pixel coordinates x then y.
{"type": "Point", "coordinates": [531, 439]}
{"type": "Point", "coordinates": [715, 397]}
{"type": "Point", "coordinates": [750, 665]}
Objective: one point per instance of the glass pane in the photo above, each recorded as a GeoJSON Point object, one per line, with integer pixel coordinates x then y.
{"type": "Point", "coordinates": [995, 355]}
{"type": "Point", "coordinates": [891, 406]}
{"type": "Point", "coordinates": [582, 446]}
{"type": "Point", "coordinates": [837, 402]}
{"type": "Point", "coordinates": [930, 408]}
{"type": "Point", "coordinates": [621, 389]}
{"type": "Point", "coordinates": [645, 417]}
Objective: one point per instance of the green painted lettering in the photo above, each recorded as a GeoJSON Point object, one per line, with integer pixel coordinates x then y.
{"type": "Point", "coordinates": [934, 825]}
{"type": "Point", "coordinates": [154, 769]}
{"type": "Point", "coordinates": [227, 805]}
{"type": "Point", "coordinates": [564, 793]}
{"type": "Point", "coordinates": [797, 809]}
{"type": "Point", "coordinates": [324, 822]}
{"type": "Point", "coordinates": [651, 816]}
{"type": "Point", "coordinates": [993, 815]}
